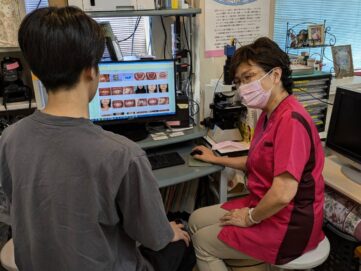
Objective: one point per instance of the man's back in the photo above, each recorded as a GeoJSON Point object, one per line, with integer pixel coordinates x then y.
{"type": "Point", "coordinates": [80, 196]}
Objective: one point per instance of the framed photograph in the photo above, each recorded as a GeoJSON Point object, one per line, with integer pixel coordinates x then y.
{"type": "Point", "coordinates": [342, 60]}
{"type": "Point", "coordinates": [316, 34]}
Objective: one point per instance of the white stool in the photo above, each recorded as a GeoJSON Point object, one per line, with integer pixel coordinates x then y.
{"type": "Point", "coordinates": [308, 260]}
{"type": "Point", "coordinates": [7, 256]}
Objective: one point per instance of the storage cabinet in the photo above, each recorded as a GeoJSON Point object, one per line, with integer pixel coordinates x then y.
{"type": "Point", "coordinates": [312, 91]}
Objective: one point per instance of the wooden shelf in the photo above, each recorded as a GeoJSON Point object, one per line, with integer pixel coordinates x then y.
{"type": "Point", "coordinates": [9, 49]}
{"type": "Point", "coordinates": [17, 105]}
{"type": "Point", "coordinates": [156, 12]}
{"type": "Point", "coordinates": [309, 47]}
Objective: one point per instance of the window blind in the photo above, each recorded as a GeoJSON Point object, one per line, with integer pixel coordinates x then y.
{"type": "Point", "coordinates": [341, 16]}
{"type": "Point", "coordinates": [122, 27]}
{"type": "Point", "coordinates": [30, 5]}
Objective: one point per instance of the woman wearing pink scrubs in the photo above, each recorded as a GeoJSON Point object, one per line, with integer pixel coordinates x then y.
{"type": "Point", "coordinates": [281, 218]}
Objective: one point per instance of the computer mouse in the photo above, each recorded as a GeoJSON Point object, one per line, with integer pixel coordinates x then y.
{"type": "Point", "coordinates": [199, 152]}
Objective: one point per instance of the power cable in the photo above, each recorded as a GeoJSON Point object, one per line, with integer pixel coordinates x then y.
{"type": "Point", "coordinates": [165, 37]}
{"type": "Point", "coordinates": [135, 29]}
{"type": "Point", "coordinates": [303, 90]}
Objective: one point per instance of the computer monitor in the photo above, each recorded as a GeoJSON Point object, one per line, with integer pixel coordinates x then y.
{"type": "Point", "coordinates": [344, 132]}
{"type": "Point", "coordinates": [132, 93]}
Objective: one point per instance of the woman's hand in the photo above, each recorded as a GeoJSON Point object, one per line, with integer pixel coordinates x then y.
{"type": "Point", "coordinates": [179, 233]}
{"type": "Point", "coordinates": [206, 156]}
{"type": "Point", "coordinates": [236, 217]}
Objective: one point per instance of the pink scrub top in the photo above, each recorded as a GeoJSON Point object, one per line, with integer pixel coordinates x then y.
{"type": "Point", "coordinates": [287, 142]}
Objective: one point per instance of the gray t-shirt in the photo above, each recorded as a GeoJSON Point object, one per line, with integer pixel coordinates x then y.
{"type": "Point", "coordinates": [80, 196]}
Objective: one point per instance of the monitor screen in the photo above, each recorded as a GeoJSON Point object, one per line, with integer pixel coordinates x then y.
{"type": "Point", "coordinates": [132, 91]}
{"type": "Point", "coordinates": [344, 133]}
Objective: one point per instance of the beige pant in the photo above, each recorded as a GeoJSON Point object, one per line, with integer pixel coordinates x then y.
{"type": "Point", "coordinates": [210, 251]}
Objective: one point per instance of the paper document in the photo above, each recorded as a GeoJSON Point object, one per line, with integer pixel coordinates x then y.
{"type": "Point", "coordinates": [228, 146]}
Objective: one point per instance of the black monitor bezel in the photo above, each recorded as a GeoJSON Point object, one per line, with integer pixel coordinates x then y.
{"type": "Point", "coordinates": [340, 92]}
{"type": "Point", "coordinates": [145, 119]}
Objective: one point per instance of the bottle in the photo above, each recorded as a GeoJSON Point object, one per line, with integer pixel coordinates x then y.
{"type": "Point", "coordinates": [175, 4]}
{"type": "Point", "coordinates": [166, 4]}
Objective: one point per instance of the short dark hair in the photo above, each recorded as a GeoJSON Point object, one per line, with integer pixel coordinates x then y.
{"type": "Point", "coordinates": [59, 43]}
{"type": "Point", "coordinates": [268, 55]}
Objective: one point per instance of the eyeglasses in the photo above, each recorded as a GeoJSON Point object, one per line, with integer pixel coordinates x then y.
{"type": "Point", "coordinates": [245, 79]}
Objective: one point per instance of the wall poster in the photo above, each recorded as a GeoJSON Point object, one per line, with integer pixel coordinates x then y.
{"type": "Point", "coordinates": [244, 20]}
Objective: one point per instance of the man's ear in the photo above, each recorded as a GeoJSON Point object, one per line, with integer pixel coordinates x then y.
{"type": "Point", "coordinates": [90, 73]}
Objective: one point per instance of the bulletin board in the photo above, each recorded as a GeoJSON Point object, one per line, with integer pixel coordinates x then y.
{"type": "Point", "coordinates": [11, 14]}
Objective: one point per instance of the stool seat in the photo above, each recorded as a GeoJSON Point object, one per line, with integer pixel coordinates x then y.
{"type": "Point", "coordinates": [7, 256]}
{"type": "Point", "coordinates": [308, 260]}
{"type": "Point", "coordinates": [311, 258]}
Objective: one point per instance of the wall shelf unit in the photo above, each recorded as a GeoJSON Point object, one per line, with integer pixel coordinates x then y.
{"type": "Point", "coordinates": [299, 37]}
{"type": "Point", "coordinates": [9, 49]}
{"type": "Point", "coordinates": [157, 12]}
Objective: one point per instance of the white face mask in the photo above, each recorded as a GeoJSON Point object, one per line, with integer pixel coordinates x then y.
{"type": "Point", "coordinates": [253, 94]}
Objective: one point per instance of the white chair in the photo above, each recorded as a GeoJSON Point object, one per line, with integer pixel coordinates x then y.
{"type": "Point", "coordinates": [7, 256]}
{"type": "Point", "coordinates": [310, 259]}
{"type": "Point", "coordinates": [307, 261]}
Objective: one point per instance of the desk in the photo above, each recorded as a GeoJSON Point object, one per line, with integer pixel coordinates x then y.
{"type": "Point", "coordinates": [335, 179]}
{"type": "Point", "coordinates": [182, 173]}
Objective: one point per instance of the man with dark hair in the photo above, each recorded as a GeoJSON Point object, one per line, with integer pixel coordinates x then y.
{"type": "Point", "coordinates": [80, 196]}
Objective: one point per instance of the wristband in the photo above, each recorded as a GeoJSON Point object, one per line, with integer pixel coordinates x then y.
{"type": "Point", "coordinates": [250, 210]}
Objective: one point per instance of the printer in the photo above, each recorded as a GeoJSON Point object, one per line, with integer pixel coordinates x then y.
{"type": "Point", "coordinates": [112, 5]}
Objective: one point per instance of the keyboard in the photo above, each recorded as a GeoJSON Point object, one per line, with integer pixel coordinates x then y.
{"type": "Point", "coordinates": [164, 160]}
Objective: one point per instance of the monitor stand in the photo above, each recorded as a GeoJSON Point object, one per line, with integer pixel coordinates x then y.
{"type": "Point", "coordinates": [133, 131]}
{"type": "Point", "coordinates": [352, 173]}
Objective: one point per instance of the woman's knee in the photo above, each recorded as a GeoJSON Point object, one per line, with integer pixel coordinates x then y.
{"type": "Point", "coordinates": [196, 220]}
{"type": "Point", "coordinates": [200, 241]}
{"type": "Point", "coordinates": [204, 217]}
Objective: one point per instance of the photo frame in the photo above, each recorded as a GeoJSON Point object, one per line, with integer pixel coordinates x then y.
{"type": "Point", "coordinates": [342, 60]}
{"type": "Point", "coordinates": [316, 34]}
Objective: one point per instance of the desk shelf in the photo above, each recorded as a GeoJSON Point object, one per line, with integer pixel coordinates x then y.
{"type": "Point", "coordinates": [183, 145]}
{"type": "Point", "coordinates": [335, 179]}
{"type": "Point", "coordinates": [191, 134]}
{"type": "Point", "coordinates": [17, 105]}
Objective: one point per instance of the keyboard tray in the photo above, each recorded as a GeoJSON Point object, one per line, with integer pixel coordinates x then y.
{"type": "Point", "coordinates": [164, 160]}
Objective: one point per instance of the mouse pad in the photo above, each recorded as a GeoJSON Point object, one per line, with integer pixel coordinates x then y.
{"type": "Point", "coordinates": [192, 162]}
